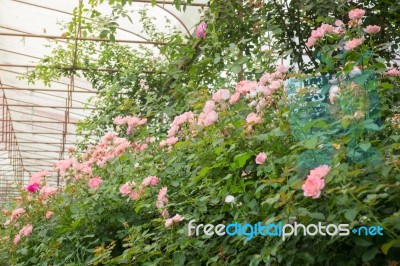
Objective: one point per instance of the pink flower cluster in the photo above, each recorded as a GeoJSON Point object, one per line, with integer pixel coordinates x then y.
{"type": "Point", "coordinates": [257, 92]}
{"type": "Point", "coordinates": [352, 44]}
{"type": "Point", "coordinates": [17, 213]}
{"type": "Point", "coordinates": [320, 32]}
{"type": "Point", "coordinates": [175, 127]}
{"type": "Point", "coordinates": [38, 177]}
{"type": "Point", "coordinates": [24, 232]}
{"type": "Point", "coordinates": [138, 146]}
{"type": "Point", "coordinates": [127, 189]}
{"type": "Point", "coordinates": [110, 147]}
{"type": "Point", "coordinates": [47, 191]}
{"type": "Point", "coordinates": [95, 182]}
{"type": "Point", "coordinates": [201, 30]}
{"type": "Point", "coordinates": [131, 121]}
{"type": "Point", "coordinates": [162, 198]}
{"type": "Point", "coordinates": [64, 165]}
{"type": "Point", "coordinates": [35, 181]}
{"type": "Point", "coordinates": [315, 181]}
{"type": "Point", "coordinates": [176, 219]}
{"type": "Point", "coordinates": [252, 118]}
{"type": "Point", "coordinates": [393, 72]}
{"type": "Point", "coordinates": [150, 181]}
{"type": "Point", "coordinates": [372, 29]}
{"type": "Point", "coordinates": [355, 15]}
{"type": "Point", "coordinates": [209, 116]}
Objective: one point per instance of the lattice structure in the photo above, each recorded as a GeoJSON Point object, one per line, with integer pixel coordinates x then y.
{"type": "Point", "coordinates": [11, 164]}
{"type": "Point", "coordinates": [38, 123]}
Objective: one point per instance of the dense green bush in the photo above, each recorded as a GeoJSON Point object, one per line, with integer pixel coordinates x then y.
{"type": "Point", "coordinates": [242, 155]}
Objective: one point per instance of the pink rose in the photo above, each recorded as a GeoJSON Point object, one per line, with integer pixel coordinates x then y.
{"type": "Point", "coordinates": [276, 84]}
{"type": "Point", "coordinates": [315, 181]}
{"type": "Point", "coordinates": [125, 189]}
{"type": "Point", "coordinates": [95, 182]}
{"type": "Point", "coordinates": [17, 238]}
{"type": "Point", "coordinates": [162, 194]}
{"type": "Point", "coordinates": [150, 181]}
{"type": "Point", "coordinates": [353, 44]}
{"type": "Point", "coordinates": [356, 13]}
{"type": "Point", "coordinates": [327, 28]}
{"type": "Point", "coordinates": [282, 69]}
{"type": "Point", "coordinates": [209, 107]}
{"type": "Point", "coordinates": [16, 213]}
{"type": "Point", "coordinates": [339, 23]}
{"type": "Point", "coordinates": [234, 98]}
{"type": "Point", "coordinates": [134, 195]}
{"type": "Point", "coordinates": [171, 140]}
{"type": "Point", "coordinates": [312, 187]}
{"type": "Point", "coordinates": [33, 187]}
{"type": "Point", "coordinates": [47, 191]}
{"type": "Point", "coordinates": [26, 230]}
{"type": "Point", "coordinates": [221, 95]}
{"type": "Point", "coordinates": [253, 118]}
{"type": "Point", "coordinates": [372, 29]}
{"type": "Point", "coordinates": [311, 42]}
{"type": "Point", "coordinates": [49, 214]}
{"type": "Point", "coordinates": [320, 171]}
{"type": "Point", "coordinates": [201, 30]}
{"type": "Point", "coordinates": [393, 72]}
{"type": "Point", "coordinates": [210, 118]}
{"type": "Point", "coordinates": [338, 30]}
{"type": "Point", "coordinates": [177, 218]}
{"type": "Point", "coordinates": [261, 157]}
{"type": "Point", "coordinates": [317, 33]}
{"type": "Point", "coordinates": [165, 214]}
{"type": "Point", "coordinates": [169, 222]}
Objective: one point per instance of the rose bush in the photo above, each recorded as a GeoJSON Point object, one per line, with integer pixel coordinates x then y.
{"type": "Point", "coordinates": [129, 197]}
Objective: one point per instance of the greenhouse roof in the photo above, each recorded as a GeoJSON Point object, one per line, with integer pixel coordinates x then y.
{"type": "Point", "coordinates": [38, 121]}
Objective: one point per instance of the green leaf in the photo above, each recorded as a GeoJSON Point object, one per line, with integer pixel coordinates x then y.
{"type": "Point", "coordinates": [369, 124]}
{"type": "Point", "coordinates": [201, 174]}
{"type": "Point", "coordinates": [259, 188]}
{"type": "Point", "coordinates": [385, 247]}
{"type": "Point", "coordinates": [236, 69]}
{"type": "Point", "coordinates": [317, 215]}
{"type": "Point", "coordinates": [362, 242]}
{"type": "Point", "coordinates": [240, 160]}
{"type": "Point", "coordinates": [310, 143]}
{"type": "Point", "coordinates": [271, 200]}
{"type": "Point", "coordinates": [179, 258]}
{"type": "Point", "coordinates": [365, 146]}
{"type": "Point", "coordinates": [351, 214]}
{"type": "Point", "coordinates": [370, 254]}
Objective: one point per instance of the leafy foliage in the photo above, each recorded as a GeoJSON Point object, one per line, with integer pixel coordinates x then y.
{"type": "Point", "coordinates": [203, 158]}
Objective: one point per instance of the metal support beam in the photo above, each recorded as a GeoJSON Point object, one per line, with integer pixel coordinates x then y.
{"type": "Point", "coordinates": [41, 133]}
{"type": "Point", "coordinates": [76, 68]}
{"type": "Point", "coordinates": [54, 37]}
{"type": "Point", "coordinates": [43, 89]}
{"type": "Point", "coordinates": [48, 106]}
{"type": "Point", "coordinates": [40, 122]}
